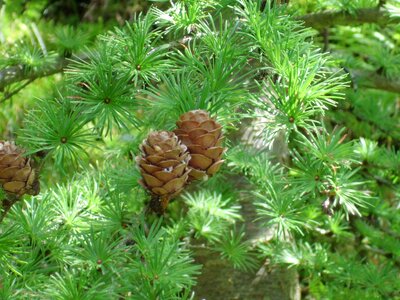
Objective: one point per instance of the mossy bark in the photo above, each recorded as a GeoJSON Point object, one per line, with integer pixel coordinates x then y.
{"type": "Point", "coordinates": [220, 281]}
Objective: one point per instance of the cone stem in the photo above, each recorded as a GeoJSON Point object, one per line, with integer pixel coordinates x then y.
{"type": "Point", "coordinates": [6, 205]}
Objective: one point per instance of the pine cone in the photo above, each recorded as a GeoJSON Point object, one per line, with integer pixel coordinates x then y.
{"type": "Point", "coordinates": [164, 165]}
{"type": "Point", "coordinates": [203, 137]}
{"type": "Point", "coordinates": [17, 176]}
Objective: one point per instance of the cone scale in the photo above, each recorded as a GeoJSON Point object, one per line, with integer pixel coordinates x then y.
{"type": "Point", "coordinates": [203, 137]}
{"type": "Point", "coordinates": [163, 165]}
{"type": "Point", "coordinates": [17, 177]}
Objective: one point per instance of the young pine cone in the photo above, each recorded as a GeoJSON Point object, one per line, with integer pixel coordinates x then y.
{"type": "Point", "coordinates": [17, 176]}
{"type": "Point", "coordinates": [163, 165]}
{"type": "Point", "coordinates": [203, 137]}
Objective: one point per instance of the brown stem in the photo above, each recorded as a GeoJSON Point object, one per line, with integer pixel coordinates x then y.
{"type": "Point", "coordinates": [325, 35]}
{"type": "Point", "coordinates": [6, 205]}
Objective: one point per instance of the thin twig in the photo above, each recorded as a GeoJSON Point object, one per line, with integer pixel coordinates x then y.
{"type": "Point", "coordinates": [18, 73]}
{"type": "Point", "coordinates": [9, 95]}
{"type": "Point", "coordinates": [325, 35]}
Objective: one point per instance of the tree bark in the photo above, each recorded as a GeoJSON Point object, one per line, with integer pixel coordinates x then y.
{"type": "Point", "coordinates": [219, 280]}
{"type": "Point", "coordinates": [333, 18]}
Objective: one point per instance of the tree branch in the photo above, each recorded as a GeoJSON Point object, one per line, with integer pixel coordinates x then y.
{"type": "Point", "coordinates": [375, 81]}
{"type": "Point", "coordinates": [9, 95]}
{"type": "Point", "coordinates": [366, 79]}
{"type": "Point", "coordinates": [15, 74]}
{"type": "Point", "coordinates": [332, 18]}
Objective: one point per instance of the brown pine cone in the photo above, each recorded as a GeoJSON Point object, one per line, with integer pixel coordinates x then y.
{"type": "Point", "coordinates": [164, 165]}
{"type": "Point", "coordinates": [17, 176]}
{"type": "Point", "coordinates": [203, 137]}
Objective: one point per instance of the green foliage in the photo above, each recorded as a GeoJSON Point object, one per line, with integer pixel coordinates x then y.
{"type": "Point", "coordinates": [387, 242]}
{"type": "Point", "coordinates": [71, 235]}
{"type": "Point", "coordinates": [69, 39]}
{"type": "Point", "coordinates": [184, 16]}
{"type": "Point", "coordinates": [332, 276]}
{"type": "Point", "coordinates": [105, 97]}
{"type": "Point", "coordinates": [282, 209]}
{"type": "Point", "coordinates": [164, 270]}
{"type": "Point", "coordinates": [301, 86]}
{"type": "Point", "coordinates": [57, 129]}
{"type": "Point", "coordinates": [137, 50]}
{"type": "Point", "coordinates": [8, 249]}
{"type": "Point", "coordinates": [71, 284]}
{"type": "Point", "coordinates": [234, 249]}
{"type": "Point", "coordinates": [210, 214]}
{"type": "Point", "coordinates": [256, 165]}
{"type": "Point", "coordinates": [211, 74]}
{"type": "Point", "coordinates": [31, 58]}
{"type": "Point", "coordinates": [301, 255]}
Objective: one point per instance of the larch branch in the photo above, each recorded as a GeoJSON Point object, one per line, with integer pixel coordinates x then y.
{"type": "Point", "coordinates": [18, 73]}
{"type": "Point", "coordinates": [375, 81]}
{"type": "Point", "coordinates": [331, 18]}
